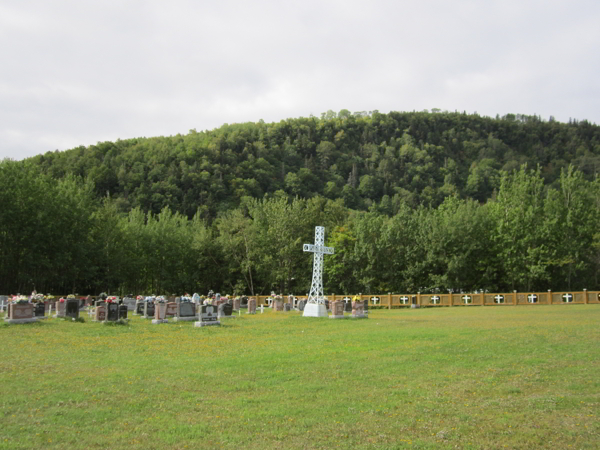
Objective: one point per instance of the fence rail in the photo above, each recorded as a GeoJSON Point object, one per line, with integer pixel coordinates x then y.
{"type": "Point", "coordinates": [483, 299]}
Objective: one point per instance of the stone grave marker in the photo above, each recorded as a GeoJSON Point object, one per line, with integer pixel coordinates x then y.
{"type": "Point", "coordinates": [187, 312]}
{"type": "Point", "coordinates": [160, 313]}
{"type": "Point", "coordinates": [366, 307]}
{"type": "Point", "coordinates": [347, 304]}
{"type": "Point", "coordinates": [208, 316]}
{"type": "Point", "coordinates": [243, 301]}
{"type": "Point", "coordinates": [171, 309]}
{"type": "Point", "coordinates": [287, 307]}
{"type": "Point", "coordinates": [337, 308]}
{"type": "Point", "coordinates": [149, 308]}
{"type": "Point", "coordinates": [130, 302]}
{"type": "Point", "coordinates": [236, 304]}
{"type": "Point", "coordinates": [39, 310]}
{"type": "Point", "coordinates": [123, 310]}
{"type": "Point", "coordinates": [277, 304]}
{"type": "Point", "coordinates": [225, 310]}
{"type": "Point", "coordinates": [139, 308]}
{"type": "Point", "coordinates": [251, 306]}
{"type": "Point", "coordinates": [112, 312]}
{"type": "Point", "coordinates": [301, 305]}
{"type": "Point", "coordinates": [61, 308]}
{"type": "Point", "coordinates": [327, 304]}
{"type": "Point", "coordinates": [72, 308]}
{"type": "Point", "coordinates": [358, 310]}
{"type": "Point", "coordinates": [100, 315]}
{"type": "Point", "coordinates": [21, 312]}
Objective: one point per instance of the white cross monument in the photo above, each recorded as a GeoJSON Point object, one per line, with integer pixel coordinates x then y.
{"type": "Point", "coordinates": [315, 306]}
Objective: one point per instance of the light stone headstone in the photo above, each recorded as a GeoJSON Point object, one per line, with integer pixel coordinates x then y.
{"type": "Point", "coordinates": [251, 306]}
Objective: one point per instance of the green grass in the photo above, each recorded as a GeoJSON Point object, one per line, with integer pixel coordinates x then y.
{"type": "Point", "coordinates": [467, 377]}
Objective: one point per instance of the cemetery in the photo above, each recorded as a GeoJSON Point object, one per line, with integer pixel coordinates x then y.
{"type": "Point", "coordinates": [421, 372]}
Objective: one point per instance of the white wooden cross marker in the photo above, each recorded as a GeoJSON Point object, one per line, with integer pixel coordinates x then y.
{"type": "Point", "coordinates": [375, 300]}
{"type": "Point", "coordinates": [567, 298]}
{"type": "Point", "coordinates": [466, 299]}
{"type": "Point", "coordinates": [532, 298]}
{"type": "Point", "coordinates": [315, 296]}
{"type": "Point", "coordinates": [435, 299]}
{"type": "Point", "coordinates": [499, 298]}
{"type": "Point", "coordinates": [404, 300]}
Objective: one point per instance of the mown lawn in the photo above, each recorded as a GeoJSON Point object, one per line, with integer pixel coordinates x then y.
{"type": "Point", "coordinates": [464, 377]}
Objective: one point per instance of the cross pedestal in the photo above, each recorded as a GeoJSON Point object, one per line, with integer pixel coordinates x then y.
{"type": "Point", "coordinates": [315, 306]}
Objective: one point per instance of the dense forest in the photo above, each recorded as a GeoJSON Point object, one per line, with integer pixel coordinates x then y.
{"type": "Point", "coordinates": [411, 202]}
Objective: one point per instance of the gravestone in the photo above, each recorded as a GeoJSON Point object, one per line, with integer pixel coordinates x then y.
{"type": "Point", "coordinates": [287, 307]}
{"type": "Point", "coordinates": [171, 309]}
{"type": "Point", "coordinates": [366, 307]}
{"type": "Point", "coordinates": [358, 310]}
{"type": "Point", "coordinates": [61, 308]}
{"type": "Point", "coordinates": [72, 309]}
{"type": "Point", "coordinates": [112, 312]}
{"type": "Point", "coordinates": [130, 303]}
{"type": "Point", "coordinates": [236, 304]}
{"type": "Point", "coordinates": [160, 313]}
{"type": "Point", "coordinates": [187, 312]}
{"type": "Point", "coordinates": [301, 305]}
{"type": "Point", "coordinates": [243, 301]}
{"type": "Point", "coordinates": [20, 313]}
{"type": "Point", "coordinates": [123, 309]}
{"type": "Point", "coordinates": [225, 310]}
{"type": "Point", "coordinates": [251, 306]}
{"type": "Point", "coordinates": [149, 308]}
{"type": "Point", "coordinates": [208, 316]}
{"type": "Point", "coordinates": [139, 308]}
{"type": "Point", "coordinates": [100, 314]}
{"type": "Point", "coordinates": [327, 305]}
{"type": "Point", "coordinates": [278, 305]}
{"type": "Point", "coordinates": [347, 304]}
{"type": "Point", "coordinates": [337, 308]}
{"type": "Point", "coordinates": [39, 310]}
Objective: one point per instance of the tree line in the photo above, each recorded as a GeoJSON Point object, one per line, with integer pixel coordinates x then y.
{"type": "Point", "coordinates": [365, 158]}
{"type": "Point", "coordinates": [58, 236]}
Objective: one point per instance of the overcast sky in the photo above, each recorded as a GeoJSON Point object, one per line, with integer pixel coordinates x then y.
{"type": "Point", "coordinates": [83, 71]}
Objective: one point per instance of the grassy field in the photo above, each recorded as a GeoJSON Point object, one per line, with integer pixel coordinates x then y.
{"type": "Point", "coordinates": [466, 377]}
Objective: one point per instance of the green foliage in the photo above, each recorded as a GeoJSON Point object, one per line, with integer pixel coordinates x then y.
{"type": "Point", "coordinates": [411, 201]}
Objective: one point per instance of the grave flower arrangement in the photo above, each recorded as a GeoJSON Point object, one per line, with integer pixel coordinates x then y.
{"type": "Point", "coordinates": [111, 299]}
{"type": "Point", "coordinates": [20, 299]}
{"type": "Point", "coordinates": [70, 296]}
{"type": "Point", "coordinates": [49, 297]}
{"type": "Point", "coordinates": [62, 300]}
{"type": "Point", "coordinates": [140, 297]}
{"type": "Point", "coordinates": [160, 299]}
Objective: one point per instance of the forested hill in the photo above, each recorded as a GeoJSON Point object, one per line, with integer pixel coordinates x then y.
{"type": "Point", "coordinates": [365, 158]}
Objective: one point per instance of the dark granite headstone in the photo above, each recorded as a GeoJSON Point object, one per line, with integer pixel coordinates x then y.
{"type": "Point", "coordinates": [301, 305]}
{"type": "Point", "coordinates": [112, 312]}
{"type": "Point", "coordinates": [72, 308]}
{"type": "Point", "coordinates": [366, 308]}
{"type": "Point", "coordinates": [348, 306]}
{"type": "Point", "coordinates": [39, 310]}
{"type": "Point", "coordinates": [123, 311]}
{"type": "Point", "coordinates": [287, 307]}
{"type": "Point", "coordinates": [149, 309]}
{"type": "Point", "coordinates": [187, 309]}
{"type": "Point", "coordinates": [225, 310]}
{"type": "Point", "coordinates": [243, 301]}
{"type": "Point", "coordinates": [327, 305]}
{"type": "Point", "coordinates": [140, 308]}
